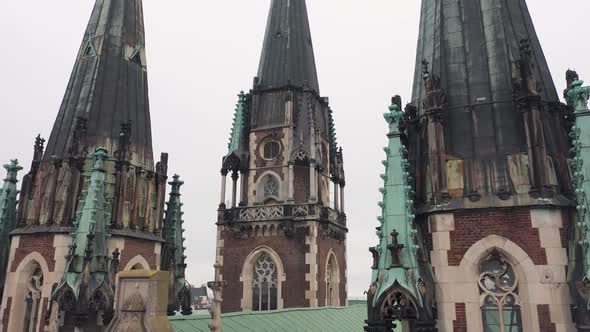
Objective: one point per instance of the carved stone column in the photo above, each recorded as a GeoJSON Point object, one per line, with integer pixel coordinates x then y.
{"type": "Point", "coordinates": [530, 105]}
{"type": "Point", "coordinates": [336, 195]}
{"type": "Point", "coordinates": [313, 191]}
{"type": "Point", "coordinates": [223, 185]}
{"type": "Point", "coordinates": [291, 189]}
{"type": "Point", "coordinates": [234, 194]}
{"type": "Point", "coordinates": [434, 103]}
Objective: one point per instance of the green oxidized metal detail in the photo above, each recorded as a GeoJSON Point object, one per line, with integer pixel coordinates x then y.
{"type": "Point", "coordinates": [398, 262]}
{"type": "Point", "coordinates": [8, 199]}
{"type": "Point", "coordinates": [88, 261]}
{"type": "Point", "coordinates": [577, 96]}
{"type": "Point", "coordinates": [8, 203]}
{"type": "Point", "coordinates": [239, 124]}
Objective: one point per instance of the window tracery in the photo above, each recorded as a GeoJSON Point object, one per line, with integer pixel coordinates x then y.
{"type": "Point", "coordinates": [500, 303]}
{"type": "Point", "coordinates": [264, 284]}
{"type": "Point", "coordinates": [271, 187]}
{"type": "Point", "coordinates": [33, 300]}
{"type": "Point", "coordinates": [271, 150]}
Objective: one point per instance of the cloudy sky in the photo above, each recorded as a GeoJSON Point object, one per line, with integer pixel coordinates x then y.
{"type": "Point", "coordinates": [202, 53]}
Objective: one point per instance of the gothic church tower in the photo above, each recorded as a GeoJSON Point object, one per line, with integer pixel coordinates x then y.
{"type": "Point", "coordinates": [282, 242]}
{"type": "Point", "coordinates": [478, 239]}
{"type": "Point", "coordinates": [92, 203]}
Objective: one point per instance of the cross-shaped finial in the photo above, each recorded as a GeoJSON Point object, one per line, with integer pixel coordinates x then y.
{"type": "Point", "coordinates": [395, 247]}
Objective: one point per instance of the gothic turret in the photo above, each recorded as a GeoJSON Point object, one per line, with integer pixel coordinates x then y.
{"type": "Point", "coordinates": [490, 128]}
{"type": "Point", "coordinates": [105, 104]}
{"type": "Point", "coordinates": [487, 153]}
{"type": "Point", "coordinates": [173, 255]}
{"type": "Point", "coordinates": [283, 148]}
{"type": "Point", "coordinates": [85, 295]}
{"type": "Point", "coordinates": [95, 209]}
{"type": "Point", "coordinates": [402, 286]}
{"type": "Point", "coordinates": [8, 203]}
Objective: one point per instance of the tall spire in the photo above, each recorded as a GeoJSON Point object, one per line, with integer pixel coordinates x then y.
{"type": "Point", "coordinates": [88, 283]}
{"type": "Point", "coordinates": [105, 105]}
{"type": "Point", "coordinates": [108, 87]}
{"type": "Point", "coordinates": [173, 257]}
{"type": "Point", "coordinates": [287, 54]}
{"type": "Point", "coordinates": [8, 204]}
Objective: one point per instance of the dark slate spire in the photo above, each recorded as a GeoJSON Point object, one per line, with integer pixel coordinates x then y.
{"type": "Point", "coordinates": [108, 87]}
{"type": "Point", "coordinates": [483, 85]}
{"type": "Point", "coordinates": [287, 54]}
{"type": "Point", "coordinates": [472, 47]}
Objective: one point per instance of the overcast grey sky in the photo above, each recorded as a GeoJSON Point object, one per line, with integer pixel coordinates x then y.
{"type": "Point", "coordinates": [202, 53]}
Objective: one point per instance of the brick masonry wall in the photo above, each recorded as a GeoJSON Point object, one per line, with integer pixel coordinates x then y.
{"type": "Point", "coordinates": [41, 243]}
{"type": "Point", "coordinates": [324, 246]}
{"type": "Point", "coordinates": [292, 254]}
{"type": "Point", "coordinates": [134, 247]}
{"type": "Point", "coordinates": [6, 314]}
{"type": "Point", "coordinates": [544, 313]}
{"type": "Point", "coordinates": [460, 323]}
{"type": "Point", "coordinates": [513, 224]}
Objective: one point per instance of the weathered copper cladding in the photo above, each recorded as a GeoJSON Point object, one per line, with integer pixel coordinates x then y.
{"type": "Point", "coordinates": [488, 129]}
{"type": "Point", "coordinates": [106, 104]}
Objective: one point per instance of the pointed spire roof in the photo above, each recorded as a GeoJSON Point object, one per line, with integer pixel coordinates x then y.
{"type": "Point", "coordinates": [173, 257]}
{"type": "Point", "coordinates": [472, 47]}
{"type": "Point", "coordinates": [93, 108]}
{"type": "Point", "coordinates": [287, 54]}
{"type": "Point", "coordinates": [86, 280]}
{"type": "Point", "coordinates": [397, 270]}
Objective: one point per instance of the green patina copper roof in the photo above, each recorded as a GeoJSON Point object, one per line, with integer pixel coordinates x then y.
{"type": "Point", "coordinates": [398, 264]}
{"type": "Point", "coordinates": [238, 130]}
{"type": "Point", "coordinates": [329, 319]}
{"type": "Point", "coordinates": [577, 97]}
{"type": "Point", "coordinates": [87, 266]}
{"type": "Point", "coordinates": [8, 202]}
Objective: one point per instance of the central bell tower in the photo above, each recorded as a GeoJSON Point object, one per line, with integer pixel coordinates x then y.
{"type": "Point", "coordinates": [283, 242]}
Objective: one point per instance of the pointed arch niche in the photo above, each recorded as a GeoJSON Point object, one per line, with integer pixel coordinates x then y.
{"type": "Point", "coordinates": [268, 188]}
{"type": "Point", "coordinates": [503, 275]}
{"type": "Point", "coordinates": [262, 278]}
{"type": "Point", "coordinates": [30, 291]}
{"type": "Point", "coordinates": [332, 280]}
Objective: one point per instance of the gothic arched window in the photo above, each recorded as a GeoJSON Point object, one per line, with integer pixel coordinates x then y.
{"type": "Point", "coordinates": [264, 284]}
{"type": "Point", "coordinates": [332, 283]}
{"type": "Point", "coordinates": [500, 304]}
{"type": "Point", "coordinates": [33, 300]}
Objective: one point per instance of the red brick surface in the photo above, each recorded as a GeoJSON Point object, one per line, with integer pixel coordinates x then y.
{"type": "Point", "coordinates": [513, 224]}
{"type": "Point", "coordinates": [41, 243]}
{"type": "Point", "coordinates": [292, 254]}
{"type": "Point", "coordinates": [324, 246]}
{"type": "Point", "coordinates": [134, 247]}
{"type": "Point", "coordinates": [460, 323]}
{"type": "Point", "coordinates": [545, 323]}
